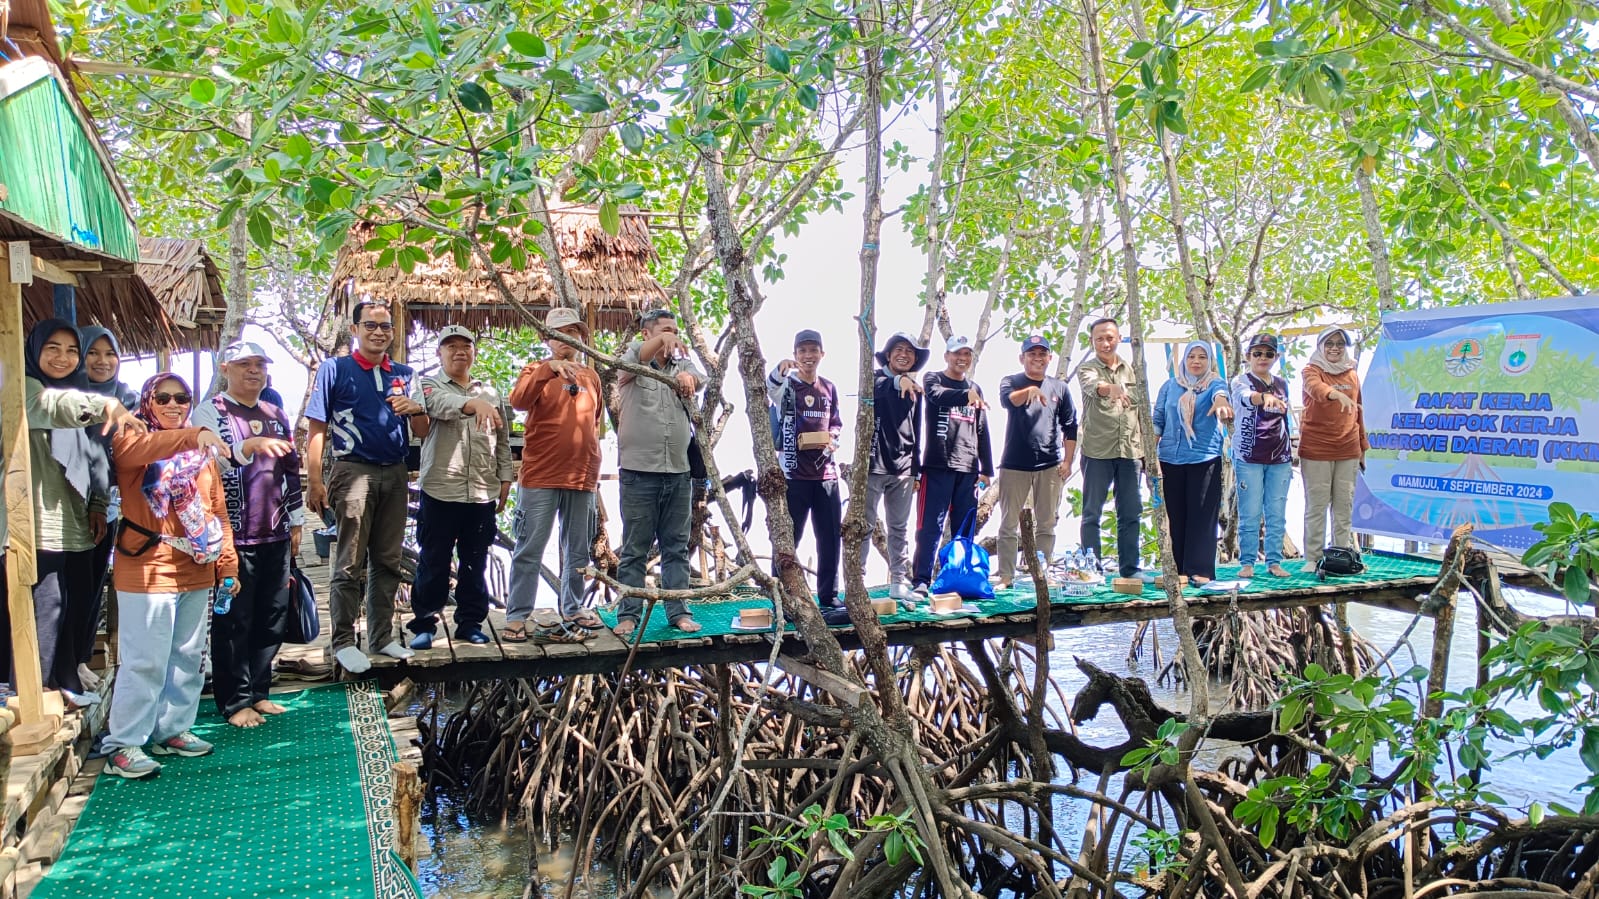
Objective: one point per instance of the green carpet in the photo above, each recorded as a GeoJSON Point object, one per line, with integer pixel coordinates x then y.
{"type": "Point", "coordinates": [716, 617]}
{"type": "Point", "coordinates": [297, 807]}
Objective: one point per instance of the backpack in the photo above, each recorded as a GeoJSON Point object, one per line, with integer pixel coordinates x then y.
{"type": "Point", "coordinates": [1339, 561]}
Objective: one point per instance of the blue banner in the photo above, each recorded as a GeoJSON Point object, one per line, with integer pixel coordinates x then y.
{"type": "Point", "coordinates": [1482, 414]}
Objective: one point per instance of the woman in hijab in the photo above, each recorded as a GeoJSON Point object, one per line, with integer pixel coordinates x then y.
{"type": "Point", "coordinates": [1332, 443]}
{"type": "Point", "coordinates": [71, 488]}
{"type": "Point", "coordinates": [174, 548]}
{"type": "Point", "coordinates": [1188, 414]}
{"type": "Point", "coordinates": [102, 361]}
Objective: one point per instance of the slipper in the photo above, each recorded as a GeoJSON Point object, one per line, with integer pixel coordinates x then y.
{"type": "Point", "coordinates": [514, 632]}
{"type": "Point", "coordinates": [560, 634]}
{"type": "Point", "coordinates": [587, 620]}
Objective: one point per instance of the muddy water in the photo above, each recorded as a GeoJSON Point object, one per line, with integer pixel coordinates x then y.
{"type": "Point", "coordinates": [474, 860]}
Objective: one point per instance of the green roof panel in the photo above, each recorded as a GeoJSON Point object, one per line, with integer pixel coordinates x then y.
{"type": "Point", "coordinates": [55, 179]}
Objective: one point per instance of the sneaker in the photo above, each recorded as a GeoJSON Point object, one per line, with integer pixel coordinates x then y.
{"type": "Point", "coordinates": [394, 650]}
{"type": "Point", "coordinates": [131, 762]}
{"type": "Point", "coordinates": [922, 591]}
{"type": "Point", "coordinates": [901, 592]}
{"type": "Point", "coordinates": [185, 744]}
{"type": "Point", "coordinates": [471, 634]}
{"type": "Point", "coordinates": [423, 640]}
{"type": "Point", "coordinates": [353, 660]}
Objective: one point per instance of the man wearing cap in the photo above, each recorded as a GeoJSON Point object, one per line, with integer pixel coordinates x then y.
{"type": "Point", "coordinates": [957, 455]}
{"type": "Point", "coordinates": [1040, 440]}
{"type": "Point", "coordinates": [1110, 443]}
{"type": "Point", "coordinates": [896, 460]}
{"type": "Point", "coordinates": [363, 403]}
{"type": "Point", "coordinates": [560, 471]}
{"type": "Point", "coordinates": [466, 477]}
{"type": "Point", "coordinates": [808, 425]}
{"type": "Point", "coordinates": [653, 435]}
{"type": "Point", "coordinates": [261, 482]}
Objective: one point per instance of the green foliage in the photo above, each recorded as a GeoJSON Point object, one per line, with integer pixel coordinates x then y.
{"type": "Point", "coordinates": [1559, 667]}
{"type": "Point", "coordinates": [900, 841]}
{"type": "Point", "coordinates": [1569, 550]}
{"type": "Point", "coordinates": [1161, 750]}
{"type": "Point", "coordinates": [1162, 851]}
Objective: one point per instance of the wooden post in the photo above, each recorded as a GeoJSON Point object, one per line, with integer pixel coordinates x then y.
{"type": "Point", "coordinates": [163, 359]}
{"type": "Point", "coordinates": [407, 811]}
{"type": "Point", "coordinates": [21, 566]}
{"type": "Point", "coordinates": [399, 350]}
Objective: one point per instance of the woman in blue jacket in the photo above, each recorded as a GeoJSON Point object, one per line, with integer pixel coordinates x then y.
{"type": "Point", "coordinates": [1189, 413]}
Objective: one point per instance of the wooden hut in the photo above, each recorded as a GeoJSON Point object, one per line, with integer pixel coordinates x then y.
{"type": "Point", "coordinates": [188, 285]}
{"type": "Point", "coordinates": [609, 272]}
{"type": "Point", "coordinates": [67, 246]}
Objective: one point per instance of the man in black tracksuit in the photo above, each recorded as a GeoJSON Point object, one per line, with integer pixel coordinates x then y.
{"type": "Point", "coordinates": [896, 464]}
{"type": "Point", "coordinates": [957, 458]}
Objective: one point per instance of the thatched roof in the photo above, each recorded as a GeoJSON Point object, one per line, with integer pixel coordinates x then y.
{"type": "Point", "coordinates": [186, 281]}
{"type": "Point", "coordinates": [610, 273]}
{"type": "Point", "coordinates": [120, 302]}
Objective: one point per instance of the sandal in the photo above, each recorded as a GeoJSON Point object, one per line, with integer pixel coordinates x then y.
{"type": "Point", "coordinates": [514, 632]}
{"type": "Point", "coordinates": [587, 620]}
{"type": "Point", "coordinates": [561, 633]}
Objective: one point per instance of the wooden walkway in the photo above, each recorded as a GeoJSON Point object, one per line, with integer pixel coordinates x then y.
{"type": "Point", "coordinates": [451, 661]}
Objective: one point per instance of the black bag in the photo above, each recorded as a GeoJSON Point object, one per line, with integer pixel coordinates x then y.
{"type": "Point", "coordinates": [1339, 561]}
{"type": "Point", "coordinates": [304, 625]}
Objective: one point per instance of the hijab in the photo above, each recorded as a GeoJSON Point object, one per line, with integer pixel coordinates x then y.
{"type": "Point", "coordinates": [1319, 359]}
{"type": "Point", "coordinates": [173, 484]}
{"type": "Point", "coordinates": [113, 388]}
{"type": "Point", "coordinates": [83, 461]}
{"type": "Point", "coordinates": [1193, 385]}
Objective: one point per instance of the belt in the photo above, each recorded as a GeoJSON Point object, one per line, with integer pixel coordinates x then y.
{"type": "Point", "coordinates": [360, 461]}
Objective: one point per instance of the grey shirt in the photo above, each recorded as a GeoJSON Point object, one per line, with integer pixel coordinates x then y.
{"type": "Point", "coordinates": [461, 463]}
{"type": "Point", "coordinates": [653, 429]}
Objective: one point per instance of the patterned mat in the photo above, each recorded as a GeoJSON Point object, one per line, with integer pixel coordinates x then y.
{"type": "Point", "coordinates": [296, 807]}
{"type": "Point", "coordinates": [717, 617]}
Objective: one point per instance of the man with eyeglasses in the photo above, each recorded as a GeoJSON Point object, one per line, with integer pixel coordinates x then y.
{"type": "Point", "coordinates": [560, 472]}
{"type": "Point", "coordinates": [363, 401]}
{"type": "Point", "coordinates": [653, 435]}
{"type": "Point", "coordinates": [1262, 454]}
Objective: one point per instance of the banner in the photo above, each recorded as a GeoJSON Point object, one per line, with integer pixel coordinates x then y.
{"type": "Point", "coordinates": [1481, 414]}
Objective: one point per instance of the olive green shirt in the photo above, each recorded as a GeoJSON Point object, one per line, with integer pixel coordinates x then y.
{"type": "Point", "coordinates": [60, 515]}
{"type": "Point", "coordinates": [1109, 428]}
{"type": "Point", "coordinates": [461, 463]}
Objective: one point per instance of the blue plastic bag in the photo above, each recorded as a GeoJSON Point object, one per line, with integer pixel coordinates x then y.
{"type": "Point", "coordinates": [304, 624]}
{"type": "Point", "coordinates": [963, 565]}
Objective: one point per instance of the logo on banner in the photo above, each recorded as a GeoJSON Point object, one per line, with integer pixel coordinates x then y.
{"type": "Point", "coordinates": [1521, 353]}
{"type": "Point", "coordinates": [1464, 357]}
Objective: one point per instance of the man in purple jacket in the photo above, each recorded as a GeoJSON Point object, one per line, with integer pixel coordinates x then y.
{"type": "Point", "coordinates": [262, 485]}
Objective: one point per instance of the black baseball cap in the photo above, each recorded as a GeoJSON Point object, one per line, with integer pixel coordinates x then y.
{"type": "Point", "coordinates": [1034, 341]}
{"type": "Point", "coordinates": [808, 336]}
{"type": "Point", "coordinates": [1269, 341]}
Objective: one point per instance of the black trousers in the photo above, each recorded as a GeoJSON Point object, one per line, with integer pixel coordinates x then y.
{"type": "Point", "coordinates": [818, 502]}
{"type": "Point", "coordinates": [83, 638]}
{"type": "Point", "coordinates": [1193, 500]}
{"type": "Point", "coordinates": [1099, 475]}
{"type": "Point", "coordinates": [465, 530]}
{"type": "Point", "coordinates": [245, 640]}
{"type": "Point", "coordinates": [61, 601]}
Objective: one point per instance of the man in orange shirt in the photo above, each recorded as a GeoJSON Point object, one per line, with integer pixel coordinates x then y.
{"type": "Point", "coordinates": [560, 471]}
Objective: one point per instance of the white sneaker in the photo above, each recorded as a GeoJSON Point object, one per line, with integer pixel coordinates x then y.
{"type": "Point", "coordinates": [353, 660]}
{"type": "Point", "coordinates": [396, 650]}
{"type": "Point", "coordinates": [89, 679]}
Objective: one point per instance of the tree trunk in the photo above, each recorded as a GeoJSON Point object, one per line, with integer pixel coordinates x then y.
{"type": "Point", "coordinates": [934, 288]}
{"type": "Point", "coordinates": [1376, 242]}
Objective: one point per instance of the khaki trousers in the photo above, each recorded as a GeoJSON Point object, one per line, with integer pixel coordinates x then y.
{"type": "Point", "coordinates": [1039, 490]}
{"type": "Point", "coordinates": [1329, 487]}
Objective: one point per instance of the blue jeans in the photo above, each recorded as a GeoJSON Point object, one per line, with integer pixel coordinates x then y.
{"type": "Point", "coordinates": [1100, 477]}
{"type": "Point", "coordinates": [1262, 489]}
{"type": "Point", "coordinates": [655, 510]}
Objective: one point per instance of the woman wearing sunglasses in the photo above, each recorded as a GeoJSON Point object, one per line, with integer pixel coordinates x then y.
{"type": "Point", "coordinates": [174, 547]}
{"type": "Point", "coordinates": [1262, 457]}
{"type": "Point", "coordinates": [1332, 444]}
{"type": "Point", "coordinates": [71, 488]}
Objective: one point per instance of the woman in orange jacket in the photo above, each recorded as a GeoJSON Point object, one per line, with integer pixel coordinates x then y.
{"type": "Point", "coordinates": [175, 546]}
{"type": "Point", "coordinates": [1332, 443]}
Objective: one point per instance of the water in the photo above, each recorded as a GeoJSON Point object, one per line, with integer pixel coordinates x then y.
{"type": "Point", "coordinates": [477, 860]}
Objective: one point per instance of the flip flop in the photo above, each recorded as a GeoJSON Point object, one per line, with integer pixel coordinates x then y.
{"type": "Point", "coordinates": [560, 634]}
{"type": "Point", "coordinates": [587, 620]}
{"type": "Point", "coordinates": [514, 632]}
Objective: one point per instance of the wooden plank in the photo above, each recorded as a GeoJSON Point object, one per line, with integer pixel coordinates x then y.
{"type": "Point", "coordinates": [46, 270]}
{"type": "Point", "coordinates": [513, 651]}
{"type": "Point", "coordinates": [474, 652]}
{"type": "Point", "coordinates": [21, 565]}
{"type": "Point", "coordinates": [844, 690]}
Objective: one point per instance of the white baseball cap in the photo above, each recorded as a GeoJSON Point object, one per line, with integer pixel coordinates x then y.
{"type": "Point", "coordinates": [956, 343]}
{"type": "Point", "coordinates": [245, 349]}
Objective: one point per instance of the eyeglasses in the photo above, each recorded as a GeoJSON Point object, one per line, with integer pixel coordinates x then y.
{"type": "Point", "coordinates": [1262, 354]}
{"type": "Point", "coordinates": [378, 326]}
{"type": "Point", "coordinates": [162, 399]}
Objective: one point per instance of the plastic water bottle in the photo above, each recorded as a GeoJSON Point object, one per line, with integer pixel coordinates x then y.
{"type": "Point", "coordinates": [224, 600]}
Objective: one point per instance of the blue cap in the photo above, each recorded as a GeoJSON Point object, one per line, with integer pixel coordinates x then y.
{"type": "Point", "coordinates": [808, 336]}
{"type": "Point", "coordinates": [1034, 341]}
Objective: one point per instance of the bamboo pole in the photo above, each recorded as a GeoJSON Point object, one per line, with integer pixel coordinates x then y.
{"type": "Point", "coordinates": [21, 565]}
